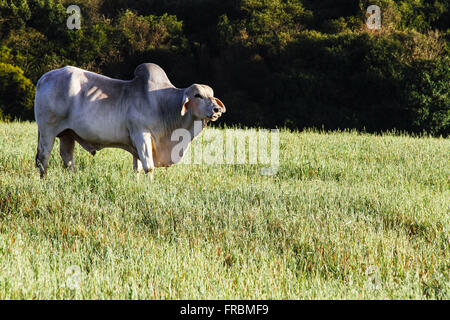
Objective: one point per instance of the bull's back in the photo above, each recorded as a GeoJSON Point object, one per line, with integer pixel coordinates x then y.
{"type": "Point", "coordinates": [86, 102]}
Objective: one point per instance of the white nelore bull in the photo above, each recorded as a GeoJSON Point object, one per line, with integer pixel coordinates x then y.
{"type": "Point", "coordinates": [137, 115]}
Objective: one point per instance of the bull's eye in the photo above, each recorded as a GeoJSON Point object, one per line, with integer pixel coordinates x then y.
{"type": "Point", "coordinates": [198, 96]}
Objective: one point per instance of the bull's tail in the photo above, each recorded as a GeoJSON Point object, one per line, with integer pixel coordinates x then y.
{"type": "Point", "coordinates": [37, 161]}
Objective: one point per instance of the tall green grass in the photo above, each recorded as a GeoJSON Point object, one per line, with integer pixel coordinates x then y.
{"type": "Point", "coordinates": [348, 215]}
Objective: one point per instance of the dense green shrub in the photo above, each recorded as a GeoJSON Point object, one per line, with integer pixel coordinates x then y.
{"type": "Point", "coordinates": [428, 96]}
{"type": "Point", "coordinates": [13, 15]}
{"type": "Point", "coordinates": [16, 93]}
{"type": "Point", "coordinates": [144, 33]}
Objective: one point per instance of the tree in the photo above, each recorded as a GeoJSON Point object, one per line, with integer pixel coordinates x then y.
{"type": "Point", "coordinates": [16, 92]}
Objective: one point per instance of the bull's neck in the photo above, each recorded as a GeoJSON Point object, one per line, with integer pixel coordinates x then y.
{"type": "Point", "coordinates": [189, 128]}
{"type": "Point", "coordinates": [173, 120]}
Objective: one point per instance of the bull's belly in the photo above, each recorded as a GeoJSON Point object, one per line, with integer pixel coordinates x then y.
{"type": "Point", "coordinates": [100, 132]}
{"type": "Point", "coordinates": [98, 122]}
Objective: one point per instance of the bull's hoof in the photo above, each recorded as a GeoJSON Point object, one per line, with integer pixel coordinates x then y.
{"type": "Point", "coordinates": [150, 174]}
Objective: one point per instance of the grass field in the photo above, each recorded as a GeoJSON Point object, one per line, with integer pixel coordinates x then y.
{"type": "Point", "coordinates": [348, 215]}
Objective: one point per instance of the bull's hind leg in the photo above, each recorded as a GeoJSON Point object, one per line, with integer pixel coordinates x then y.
{"type": "Point", "coordinates": [45, 146]}
{"type": "Point", "coordinates": [66, 148]}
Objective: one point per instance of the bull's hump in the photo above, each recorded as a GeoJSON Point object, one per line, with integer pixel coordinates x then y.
{"type": "Point", "coordinates": [152, 73]}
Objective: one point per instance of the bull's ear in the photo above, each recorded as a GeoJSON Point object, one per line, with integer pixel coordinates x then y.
{"type": "Point", "coordinates": [185, 105]}
{"type": "Point", "coordinates": [220, 103]}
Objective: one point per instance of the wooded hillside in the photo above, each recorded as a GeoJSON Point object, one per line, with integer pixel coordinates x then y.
{"type": "Point", "coordinates": [293, 63]}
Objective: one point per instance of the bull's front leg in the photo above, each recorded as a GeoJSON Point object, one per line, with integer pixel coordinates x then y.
{"type": "Point", "coordinates": [137, 164]}
{"type": "Point", "coordinates": [143, 143]}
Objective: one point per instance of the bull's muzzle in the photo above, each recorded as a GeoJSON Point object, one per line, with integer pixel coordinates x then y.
{"type": "Point", "coordinates": [216, 112]}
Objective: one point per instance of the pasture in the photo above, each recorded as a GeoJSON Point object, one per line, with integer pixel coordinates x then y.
{"type": "Point", "coordinates": [348, 216]}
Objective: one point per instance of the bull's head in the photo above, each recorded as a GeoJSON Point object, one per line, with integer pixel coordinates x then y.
{"type": "Point", "coordinates": [200, 101]}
